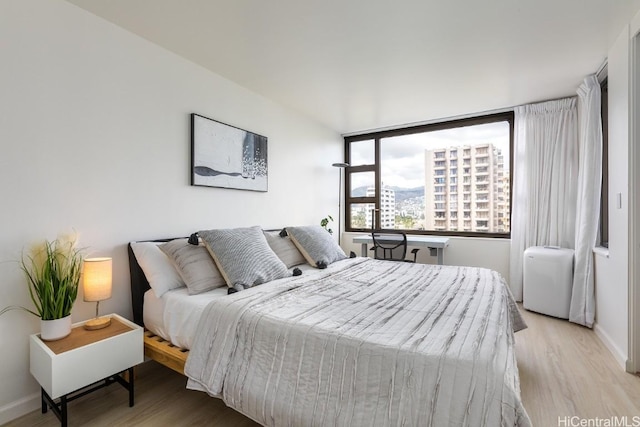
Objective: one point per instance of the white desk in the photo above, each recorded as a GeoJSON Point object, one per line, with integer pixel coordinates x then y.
{"type": "Point", "coordinates": [437, 243]}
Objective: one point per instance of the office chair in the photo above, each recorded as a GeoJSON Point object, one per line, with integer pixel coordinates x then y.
{"type": "Point", "coordinates": [391, 246]}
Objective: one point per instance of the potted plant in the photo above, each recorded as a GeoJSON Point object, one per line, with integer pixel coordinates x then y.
{"type": "Point", "coordinates": [326, 223]}
{"type": "Point", "coordinates": [52, 270]}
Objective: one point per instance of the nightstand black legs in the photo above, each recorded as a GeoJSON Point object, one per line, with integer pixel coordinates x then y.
{"type": "Point", "coordinates": [60, 408]}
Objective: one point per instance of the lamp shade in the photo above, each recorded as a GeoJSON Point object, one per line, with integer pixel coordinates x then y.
{"type": "Point", "coordinates": [96, 281]}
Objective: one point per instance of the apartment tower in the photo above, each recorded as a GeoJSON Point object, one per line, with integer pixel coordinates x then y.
{"type": "Point", "coordinates": [466, 189]}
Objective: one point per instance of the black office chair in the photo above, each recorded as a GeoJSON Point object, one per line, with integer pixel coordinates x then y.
{"type": "Point", "coordinates": [391, 246]}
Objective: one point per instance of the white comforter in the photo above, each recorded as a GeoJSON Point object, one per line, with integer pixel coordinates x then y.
{"type": "Point", "coordinates": [365, 343]}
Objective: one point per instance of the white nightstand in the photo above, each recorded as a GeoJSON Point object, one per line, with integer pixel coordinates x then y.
{"type": "Point", "coordinates": [85, 361]}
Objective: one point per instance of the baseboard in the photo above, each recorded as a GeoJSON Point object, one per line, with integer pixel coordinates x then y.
{"type": "Point", "coordinates": [620, 357]}
{"type": "Point", "coordinates": [19, 408]}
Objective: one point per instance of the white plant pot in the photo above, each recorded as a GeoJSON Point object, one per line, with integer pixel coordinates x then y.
{"type": "Point", "coordinates": [51, 330]}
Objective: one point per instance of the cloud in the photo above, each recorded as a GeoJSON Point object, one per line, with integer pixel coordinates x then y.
{"type": "Point", "coordinates": [402, 157]}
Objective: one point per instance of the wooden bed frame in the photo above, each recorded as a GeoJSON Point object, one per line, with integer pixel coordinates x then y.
{"type": "Point", "coordinates": [155, 347]}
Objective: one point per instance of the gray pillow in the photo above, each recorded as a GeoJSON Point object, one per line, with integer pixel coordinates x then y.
{"type": "Point", "coordinates": [284, 248]}
{"type": "Point", "coordinates": [243, 256]}
{"type": "Point", "coordinates": [195, 266]}
{"type": "Point", "coordinates": [316, 244]}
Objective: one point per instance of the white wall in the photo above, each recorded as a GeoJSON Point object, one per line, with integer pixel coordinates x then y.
{"type": "Point", "coordinates": [94, 135]}
{"type": "Point", "coordinates": [633, 362]}
{"type": "Point", "coordinates": [611, 274]}
{"type": "Point", "coordinates": [473, 252]}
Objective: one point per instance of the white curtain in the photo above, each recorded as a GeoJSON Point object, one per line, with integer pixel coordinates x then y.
{"type": "Point", "coordinates": [545, 180]}
{"type": "Point", "coordinates": [582, 309]}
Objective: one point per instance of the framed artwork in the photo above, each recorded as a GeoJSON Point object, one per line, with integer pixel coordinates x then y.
{"type": "Point", "coordinates": [226, 156]}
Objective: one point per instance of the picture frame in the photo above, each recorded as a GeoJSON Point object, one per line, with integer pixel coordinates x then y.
{"type": "Point", "coordinates": [225, 156]}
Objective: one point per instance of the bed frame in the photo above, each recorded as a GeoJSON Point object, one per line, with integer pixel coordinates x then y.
{"type": "Point", "coordinates": [155, 347]}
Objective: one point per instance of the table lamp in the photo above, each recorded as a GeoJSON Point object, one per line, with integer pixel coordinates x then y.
{"type": "Point", "coordinates": [96, 284]}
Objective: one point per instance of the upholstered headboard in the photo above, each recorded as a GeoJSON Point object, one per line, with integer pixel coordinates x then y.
{"type": "Point", "coordinates": [139, 283]}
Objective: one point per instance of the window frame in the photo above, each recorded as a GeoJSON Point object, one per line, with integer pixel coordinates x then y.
{"type": "Point", "coordinates": [603, 230]}
{"type": "Point", "coordinates": [507, 116]}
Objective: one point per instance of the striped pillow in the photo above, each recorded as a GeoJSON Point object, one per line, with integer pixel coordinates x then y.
{"type": "Point", "coordinates": [243, 256]}
{"type": "Point", "coordinates": [194, 264]}
{"type": "Point", "coordinates": [284, 248]}
{"type": "Point", "coordinates": [316, 244]}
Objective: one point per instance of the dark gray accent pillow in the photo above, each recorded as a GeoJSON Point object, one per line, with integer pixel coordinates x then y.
{"type": "Point", "coordinates": [316, 245]}
{"type": "Point", "coordinates": [284, 248]}
{"type": "Point", "coordinates": [195, 266]}
{"type": "Point", "coordinates": [243, 256]}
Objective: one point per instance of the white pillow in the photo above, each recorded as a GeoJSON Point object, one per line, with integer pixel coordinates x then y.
{"type": "Point", "coordinates": [157, 267]}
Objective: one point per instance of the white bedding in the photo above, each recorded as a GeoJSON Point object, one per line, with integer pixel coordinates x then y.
{"type": "Point", "coordinates": [176, 314]}
{"type": "Point", "coordinates": [365, 343]}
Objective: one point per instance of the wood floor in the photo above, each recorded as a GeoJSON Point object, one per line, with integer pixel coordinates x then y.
{"type": "Point", "coordinates": [565, 371]}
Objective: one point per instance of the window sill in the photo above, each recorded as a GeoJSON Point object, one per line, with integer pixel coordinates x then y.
{"type": "Point", "coordinates": [601, 251]}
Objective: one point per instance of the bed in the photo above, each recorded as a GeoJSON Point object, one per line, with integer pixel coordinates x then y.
{"type": "Point", "coordinates": [361, 342]}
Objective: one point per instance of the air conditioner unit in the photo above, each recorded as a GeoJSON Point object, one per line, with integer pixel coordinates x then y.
{"type": "Point", "coordinates": [548, 280]}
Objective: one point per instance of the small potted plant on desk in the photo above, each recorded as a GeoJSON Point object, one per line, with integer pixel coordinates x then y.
{"type": "Point", "coordinates": [52, 270]}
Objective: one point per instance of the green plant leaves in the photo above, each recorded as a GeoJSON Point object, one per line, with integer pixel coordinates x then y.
{"type": "Point", "coordinates": [53, 275]}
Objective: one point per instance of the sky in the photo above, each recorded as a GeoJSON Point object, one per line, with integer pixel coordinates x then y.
{"type": "Point", "coordinates": [402, 157]}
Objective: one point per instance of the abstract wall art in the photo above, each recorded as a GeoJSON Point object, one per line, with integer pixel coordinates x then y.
{"type": "Point", "coordinates": [226, 156]}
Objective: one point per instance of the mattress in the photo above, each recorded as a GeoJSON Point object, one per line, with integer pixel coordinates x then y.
{"type": "Point", "coordinates": [176, 314]}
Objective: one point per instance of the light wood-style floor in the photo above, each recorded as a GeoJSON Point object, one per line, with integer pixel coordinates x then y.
{"type": "Point", "coordinates": [565, 371]}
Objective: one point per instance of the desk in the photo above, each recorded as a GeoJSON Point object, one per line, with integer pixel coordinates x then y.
{"type": "Point", "coordinates": [437, 243]}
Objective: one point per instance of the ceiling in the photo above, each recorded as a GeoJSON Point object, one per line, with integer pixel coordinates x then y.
{"type": "Point", "coordinates": [357, 65]}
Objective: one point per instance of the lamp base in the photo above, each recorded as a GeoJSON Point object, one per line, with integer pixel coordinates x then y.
{"type": "Point", "coordinates": [97, 323]}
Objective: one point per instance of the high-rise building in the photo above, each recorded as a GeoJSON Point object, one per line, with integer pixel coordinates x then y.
{"type": "Point", "coordinates": [466, 189]}
{"type": "Point", "coordinates": [387, 208]}
{"type": "Point", "coordinates": [362, 214]}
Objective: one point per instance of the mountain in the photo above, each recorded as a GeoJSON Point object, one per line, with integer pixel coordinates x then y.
{"type": "Point", "coordinates": [401, 193]}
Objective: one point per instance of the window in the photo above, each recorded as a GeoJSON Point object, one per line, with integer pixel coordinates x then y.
{"type": "Point", "coordinates": [415, 173]}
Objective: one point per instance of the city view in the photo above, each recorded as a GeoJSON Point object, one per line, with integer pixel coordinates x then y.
{"type": "Point", "coordinates": [462, 176]}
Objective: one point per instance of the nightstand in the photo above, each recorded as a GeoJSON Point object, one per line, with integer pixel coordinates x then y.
{"type": "Point", "coordinates": [85, 361]}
